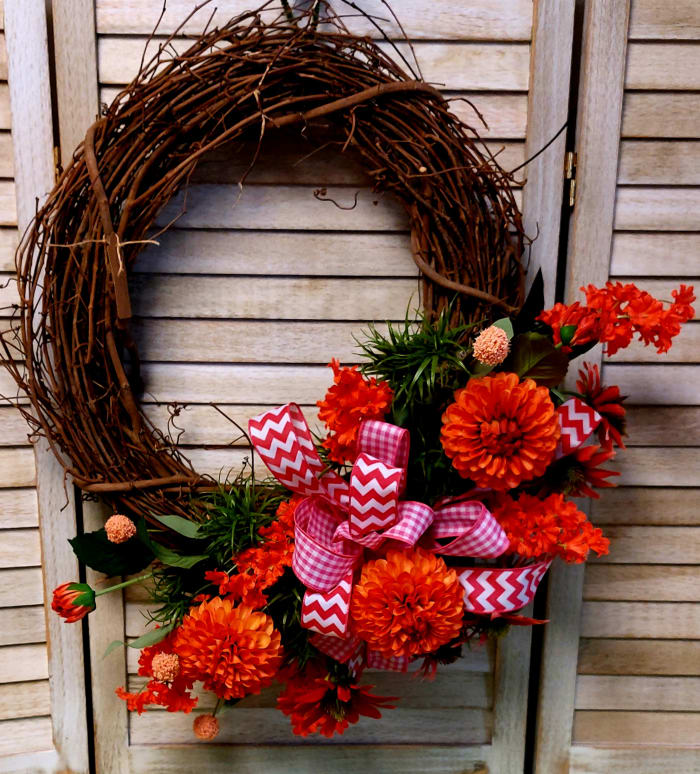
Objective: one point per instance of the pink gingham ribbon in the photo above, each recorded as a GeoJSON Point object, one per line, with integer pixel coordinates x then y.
{"type": "Point", "coordinates": [338, 520]}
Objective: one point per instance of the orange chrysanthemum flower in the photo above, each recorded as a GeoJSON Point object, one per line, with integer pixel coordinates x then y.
{"type": "Point", "coordinates": [350, 400]}
{"type": "Point", "coordinates": [407, 603]}
{"type": "Point", "coordinates": [548, 528]}
{"type": "Point", "coordinates": [234, 651]}
{"type": "Point", "coordinates": [500, 431]}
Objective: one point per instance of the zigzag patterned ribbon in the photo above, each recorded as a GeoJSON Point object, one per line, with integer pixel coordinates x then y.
{"type": "Point", "coordinates": [337, 520]}
{"type": "Point", "coordinates": [577, 421]}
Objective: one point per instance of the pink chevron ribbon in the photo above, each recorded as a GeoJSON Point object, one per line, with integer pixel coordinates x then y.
{"type": "Point", "coordinates": [577, 421]}
{"type": "Point", "coordinates": [338, 520]}
{"type": "Point", "coordinates": [497, 591]}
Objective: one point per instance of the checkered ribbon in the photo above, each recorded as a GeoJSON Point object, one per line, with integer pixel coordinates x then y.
{"type": "Point", "coordinates": [338, 520]}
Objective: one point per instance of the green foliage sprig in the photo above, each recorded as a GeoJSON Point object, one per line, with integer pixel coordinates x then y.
{"type": "Point", "coordinates": [424, 362]}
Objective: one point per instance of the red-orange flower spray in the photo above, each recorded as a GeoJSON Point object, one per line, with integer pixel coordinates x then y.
{"type": "Point", "coordinates": [350, 400]}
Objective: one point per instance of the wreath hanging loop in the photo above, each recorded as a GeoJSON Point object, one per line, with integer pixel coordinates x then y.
{"type": "Point", "coordinates": [71, 349]}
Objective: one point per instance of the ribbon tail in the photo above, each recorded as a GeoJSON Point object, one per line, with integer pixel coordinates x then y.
{"type": "Point", "coordinates": [328, 612]}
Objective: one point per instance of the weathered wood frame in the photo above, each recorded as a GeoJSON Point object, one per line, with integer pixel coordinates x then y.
{"type": "Point", "coordinates": [75, 63]}
{"type": "Point", "coordinates": [597, 145]}
{"type": "Point", "coordinates": [32, 133]}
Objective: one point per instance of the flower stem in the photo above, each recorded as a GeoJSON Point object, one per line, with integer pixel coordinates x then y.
{"type": "Point", "coordinates": [124, 584]}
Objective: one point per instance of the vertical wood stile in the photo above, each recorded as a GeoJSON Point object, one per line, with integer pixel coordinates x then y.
{"type": "Point", "coordinates": [30, 98]}
{"type": "Point", "coordinates": [548, 107]}
{"type": "Point", "coordinates": [597, 145]}
{"type": "Point", "coordinates": [76, 63]}
{"type": "Point", "coordinates": [76, 71]}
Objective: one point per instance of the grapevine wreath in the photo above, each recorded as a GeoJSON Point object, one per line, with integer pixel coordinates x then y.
{"type": "Point", "coordinates": [427, 515]}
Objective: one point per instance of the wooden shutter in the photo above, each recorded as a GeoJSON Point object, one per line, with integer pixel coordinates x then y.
{"type": "Point", "coordinates": [42, 686]}
{"type": "Point", "coordinates": [635, 669]}
{"type": "Point", "coordinates": [244, 305]}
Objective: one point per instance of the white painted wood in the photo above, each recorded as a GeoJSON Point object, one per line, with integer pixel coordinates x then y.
{"type": "Point", "coordinates": [663, 66]}
{"type": "Point", "coordinates": [660, 114]}
{"type": "Point", "coordinates": [463, 66]}
{"type": "Point", "coordinates": [660, 466]}
{"type": "Point", "coordinates": [18, 508]}
{"type": "Point", "coordinates": [20, 548]}
{"type": "Point", "coordinates": [433, 19]}
{"type": "Point", "coordinates": [300, 759]}
{"type": "Point", "coordinates": [24, 735]}
{"type": "Point", "coordinates": [275, 299]}
{"type": "Point", "coordinates": [24, 663]}
{"type": "Point", "coordinates": [640, 760]}
{"type": "Point", "coordinates": [22, 625]}
{"type": "Point", "coordinates": [631, 692]}
{"type": "Point", "coordinates": [18, 467]}
{"type": "Point", "coordinates": [655, 384]}
{"type": "Point", "coordinates": [597, 143]}
{"type": "Point", "coordinates": [641, 620]}
{"type": "Point", "coordinates": [287, 253]}
{"type": "Point", "coordinates": [656, 19]}
{"type": "Point", "coordinates": [109, 713]}
{"type": "Point", "coordinates": [24, 700]}
{"type": "Point", "coordinates": [651, 545]}
{"type": "Point", "coordinates": [21, 587]}
{"type": "Point", "coordinates": [548, 111]}
{"type": "Point", "coordinates": [673, 729]}
{"type": "Point", "coordinates": [659, 162]}
{"type": "Point", "coordinates": [642, 254]}
{"type": "Point", "coordinates": [399, 726]}
{"type": "Point", "coordinates": [657, 209]}
{"type": "Point", "coordinates": [5, 115]}
{"type": "Point", "coordinates": [644, 505]}
{"type": "Point", "coordinates": [25, 23]}
{"type": "Point", "coordinates": [662, 583]}
{"type": "Point", "coordinates": [641, 657]}
{"type": "Point", "coordinates": [74, 61]}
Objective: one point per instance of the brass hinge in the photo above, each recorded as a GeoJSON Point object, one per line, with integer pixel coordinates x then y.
{"type": "Point", "coordinates": [570, 175]}
{"type": "Point", "coordinates": [56, 162]}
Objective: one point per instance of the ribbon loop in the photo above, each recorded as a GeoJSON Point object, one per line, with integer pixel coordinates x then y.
{"type": "Point", "coordinates": [475, 531]}
{"type": "Point", "coordinates": [317, 561]}
{"type": "Point", "coordinates": [374, 495]}
{"type": "Point", "coordinates": [337, 521]}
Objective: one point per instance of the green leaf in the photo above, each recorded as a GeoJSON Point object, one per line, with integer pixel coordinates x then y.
{"type": "Point", "coordinates": [535, 357]}
{"type": "Point", "coordinates": [534, 304]}
{"type": "Point", "coordinates": [163, 554]}
{"type": "Point", "coordinates": [185, 527]}
{"type": "Point", "coordinates": [559, 395]}
{"type": "Point", "coordinates": [567, 333]}
{"type": "Point", "coordinates": [144, 641]}
{"type": "Point", "coordinates": [97, 552]}
{"type": "Point", "coordinates": [481, 369]}
{"type": "Point", "coordinates": [506, 325]}
{"type": "Point", "coordinates": [173, 559]}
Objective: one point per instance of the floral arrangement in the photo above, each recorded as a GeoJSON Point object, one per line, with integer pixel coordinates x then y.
{"type": "Point", "coordinates": [422, 522]}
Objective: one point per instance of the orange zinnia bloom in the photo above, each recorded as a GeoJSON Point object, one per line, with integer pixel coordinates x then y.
{"type": "Point", "coordinates": [500, 431]}
{"type": "Point", "coordinates": [350, 400]}
{"type": "Point", "coordinates": [234, 651]}
{"type": "Point", "coordinates": [406, 604]}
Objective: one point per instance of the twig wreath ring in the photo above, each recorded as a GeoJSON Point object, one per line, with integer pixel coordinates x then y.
{"type": "Point", "coordinates": [245, 79]}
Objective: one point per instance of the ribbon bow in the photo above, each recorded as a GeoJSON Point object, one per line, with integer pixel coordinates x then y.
{"type": "Point", "coordinates": [338, 520]}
